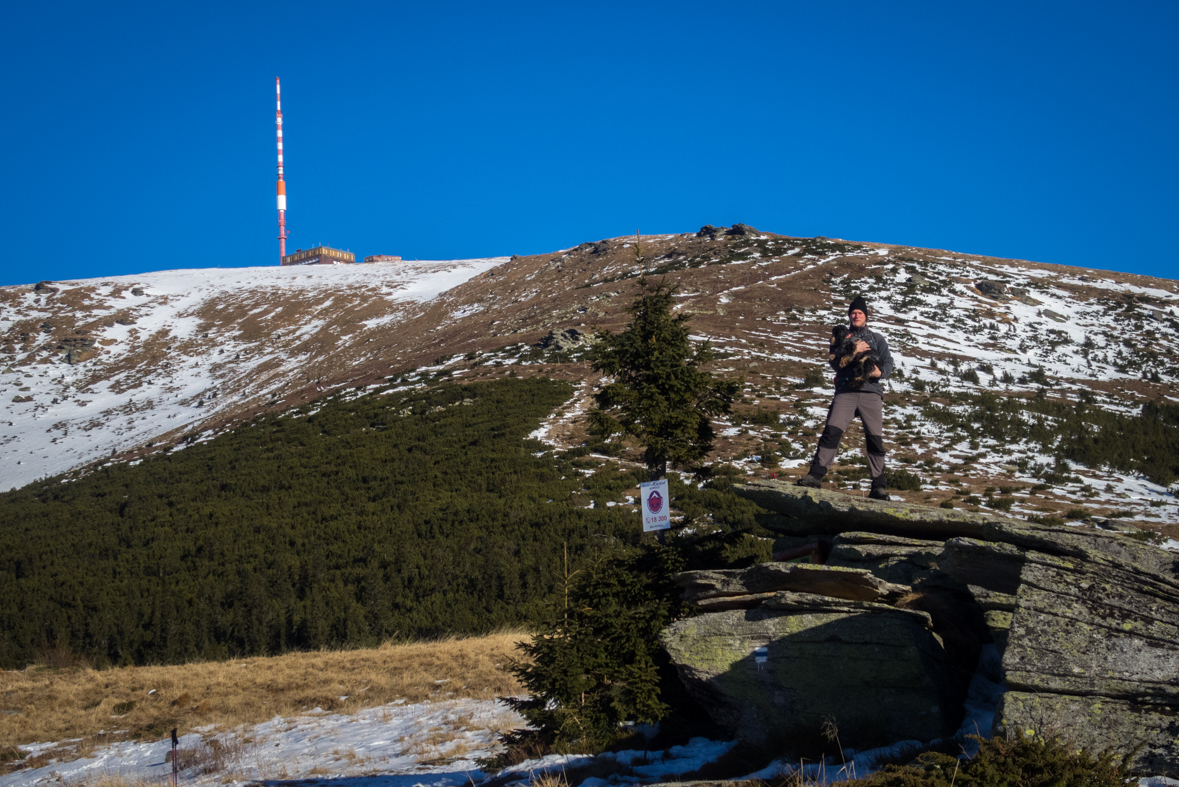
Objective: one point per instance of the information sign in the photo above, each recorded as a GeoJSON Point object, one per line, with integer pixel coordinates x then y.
{"type": "Point", "coordinates": [656, 504]}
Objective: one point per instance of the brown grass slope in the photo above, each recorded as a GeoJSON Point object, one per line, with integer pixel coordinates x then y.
{"type": "Point", "coordinates": [46, 703]}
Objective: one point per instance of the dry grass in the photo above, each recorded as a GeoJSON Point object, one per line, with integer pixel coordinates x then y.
{"type": "Point", "coordinates": [550, 779]}
{"type": "Point", "coordinates": [107, 780]}
{"type": "Point", "coordinates": [216, 756]}
{"type": "Point", "coordinates": [58, 703]}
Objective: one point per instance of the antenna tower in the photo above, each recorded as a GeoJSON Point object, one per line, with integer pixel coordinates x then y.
{"type": "Point", "coordinates": [282, 186]}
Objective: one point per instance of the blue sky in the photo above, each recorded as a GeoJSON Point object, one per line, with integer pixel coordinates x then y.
{"type": "Point", "coordinates": [140, 136]}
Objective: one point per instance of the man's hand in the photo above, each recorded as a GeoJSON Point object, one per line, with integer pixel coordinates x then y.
{"type": "Point", "coordinates": [862, 346]}
{"type": "Point", "coordinates": [875, 373]}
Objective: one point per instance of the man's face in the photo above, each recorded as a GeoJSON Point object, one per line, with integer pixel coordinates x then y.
{"type": "Point", "coordinates": [858, 318]}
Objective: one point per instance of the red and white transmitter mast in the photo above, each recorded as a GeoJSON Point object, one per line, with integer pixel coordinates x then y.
{"type": "Point", "coordinates": [282, 186]}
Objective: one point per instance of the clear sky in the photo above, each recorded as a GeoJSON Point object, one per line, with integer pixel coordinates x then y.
{"type": "Point", "coordinates": [140, 136]}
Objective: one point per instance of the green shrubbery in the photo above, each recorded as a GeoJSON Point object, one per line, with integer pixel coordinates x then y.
{"type": "Point", "coordinates": [903, 480]}
{"type": "Point", "coordinates": [1022, 761]}
{"type": "Point", "coordinates": [341, 526]}
{"type": "Point", "coordinates": [1147, 443]}
{"type": "Point", "coordinates": [1000, 503]}
{"type": "Point", "coordinates": [815, 377]}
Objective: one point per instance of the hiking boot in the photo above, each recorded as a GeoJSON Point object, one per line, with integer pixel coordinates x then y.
{"type": "Point", "coordinates": [878, 493]}
{"type": "Point", "coordinates": [812, 481]}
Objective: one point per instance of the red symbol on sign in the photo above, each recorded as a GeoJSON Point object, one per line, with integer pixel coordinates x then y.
{"type": "Point", "coordinates": [654, 501]}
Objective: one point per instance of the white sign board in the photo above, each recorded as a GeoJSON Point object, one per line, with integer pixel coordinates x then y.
{"type": "Point", "coordinates": [656, 502]}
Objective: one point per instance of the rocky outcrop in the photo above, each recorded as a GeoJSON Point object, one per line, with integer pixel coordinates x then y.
{"type": "Point", "coordinates": [565, 339]}
{"type": "Point", "coordinates": [1092, 649]}
{"type": "Point", "coordinates": [820, 511]}
{"type": "Point", "coordinates": [741, 230]}
{"type": "Point", "coordinates": [892, 558]}
{"type": "Point", "coordinates": [1086, 621]}
{"type": "Point", "coordinates": [596, 248]}
{"type": "Point", "coordinates": [992, 289]}
{"type": "Point", "coordinates": [737, 230]}
{"type": "Point", "coordinates": [1022, 296]}
{"type": "Point", "coordinates": [808, 512]}
{"type": "Point", "coordinates": [841, 583]}
{"type": "Point", "coordinates": [77, 348]}
{"type": "Point", "coordinates": [775, 672]}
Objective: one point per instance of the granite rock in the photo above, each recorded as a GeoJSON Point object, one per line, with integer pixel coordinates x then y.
{"type": "Point", "coordinates": [839, 583]}
{"type": "Point", "coordinates": [775, 672]}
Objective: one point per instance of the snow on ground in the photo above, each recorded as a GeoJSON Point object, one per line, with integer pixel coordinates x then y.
{"type": "Point", "coordinates": [433, 743]}
{"type": "Point", "coordinates": [563, 417]}
{"type": "Point", "coordinates": [70, 422]}
{"type": "Point", "coordinates": [645, 767]}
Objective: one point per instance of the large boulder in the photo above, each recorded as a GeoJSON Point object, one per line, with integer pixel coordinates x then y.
{"type": "Point", "coordinates": [778, 671]}
{"type": "Point", "coordinates": [1086, 621]}
{"type": "Point", "coordinates": [808, 511]}
{"type": "Point", "coordinates": [1092, 650]}
{"type": "Point", "coordinates": [562, 340]}
{"type": "Point", "coordinates": [992, 289]}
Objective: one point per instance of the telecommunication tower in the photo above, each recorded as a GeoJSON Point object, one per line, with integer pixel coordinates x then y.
{"type": "Point", "coordinates": [282, 186]}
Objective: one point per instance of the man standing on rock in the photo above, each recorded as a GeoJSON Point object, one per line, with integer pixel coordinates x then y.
{"type": "Point", "coordinates": [865, 402]}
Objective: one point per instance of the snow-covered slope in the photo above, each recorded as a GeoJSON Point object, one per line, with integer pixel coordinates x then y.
{"type": "Point", "coordinates": [176, 349]}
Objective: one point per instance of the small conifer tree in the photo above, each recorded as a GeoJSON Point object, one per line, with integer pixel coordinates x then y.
{"type": "Point", "coordinates": [658, 393]}
{"type": "Point", "coordinates": [598, 661]}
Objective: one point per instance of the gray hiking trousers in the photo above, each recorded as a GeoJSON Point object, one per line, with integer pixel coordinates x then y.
{"type": "Point", "coordinates": [869, 408]}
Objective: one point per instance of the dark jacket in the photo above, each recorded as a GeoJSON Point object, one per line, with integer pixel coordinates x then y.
{"type": "Point", "coordinates": [880, 347]}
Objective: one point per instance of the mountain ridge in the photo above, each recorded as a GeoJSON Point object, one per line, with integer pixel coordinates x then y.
{"type": "Point", "coordinates": [959, 325]}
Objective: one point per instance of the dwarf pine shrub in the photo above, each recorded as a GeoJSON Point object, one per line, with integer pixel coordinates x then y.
{"type": "Point", "coordinates": [1023, 760]}
{"type": "Point", "coordinates": [1145, 443]}
{"type": "Point", "coordinates": [337, 524]}
{"type": "Point", "coordinates": [904, 480]}
{"type": "Point", "coordinates": [815, 378]}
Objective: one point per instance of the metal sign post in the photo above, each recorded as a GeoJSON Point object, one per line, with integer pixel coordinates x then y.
{"type": "Point", "coordinates": [175, 743]}
{"type": "Point", "coordinates": [656, 505]}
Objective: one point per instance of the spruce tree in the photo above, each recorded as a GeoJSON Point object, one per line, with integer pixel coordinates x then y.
{"type": "Point", "coordinates": [598, 661]}
{"type": "Point", "coordinates": [658, 393]}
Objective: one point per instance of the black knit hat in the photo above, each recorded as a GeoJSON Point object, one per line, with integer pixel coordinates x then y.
{"type": "Point", "coordinates": [858, 303]}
